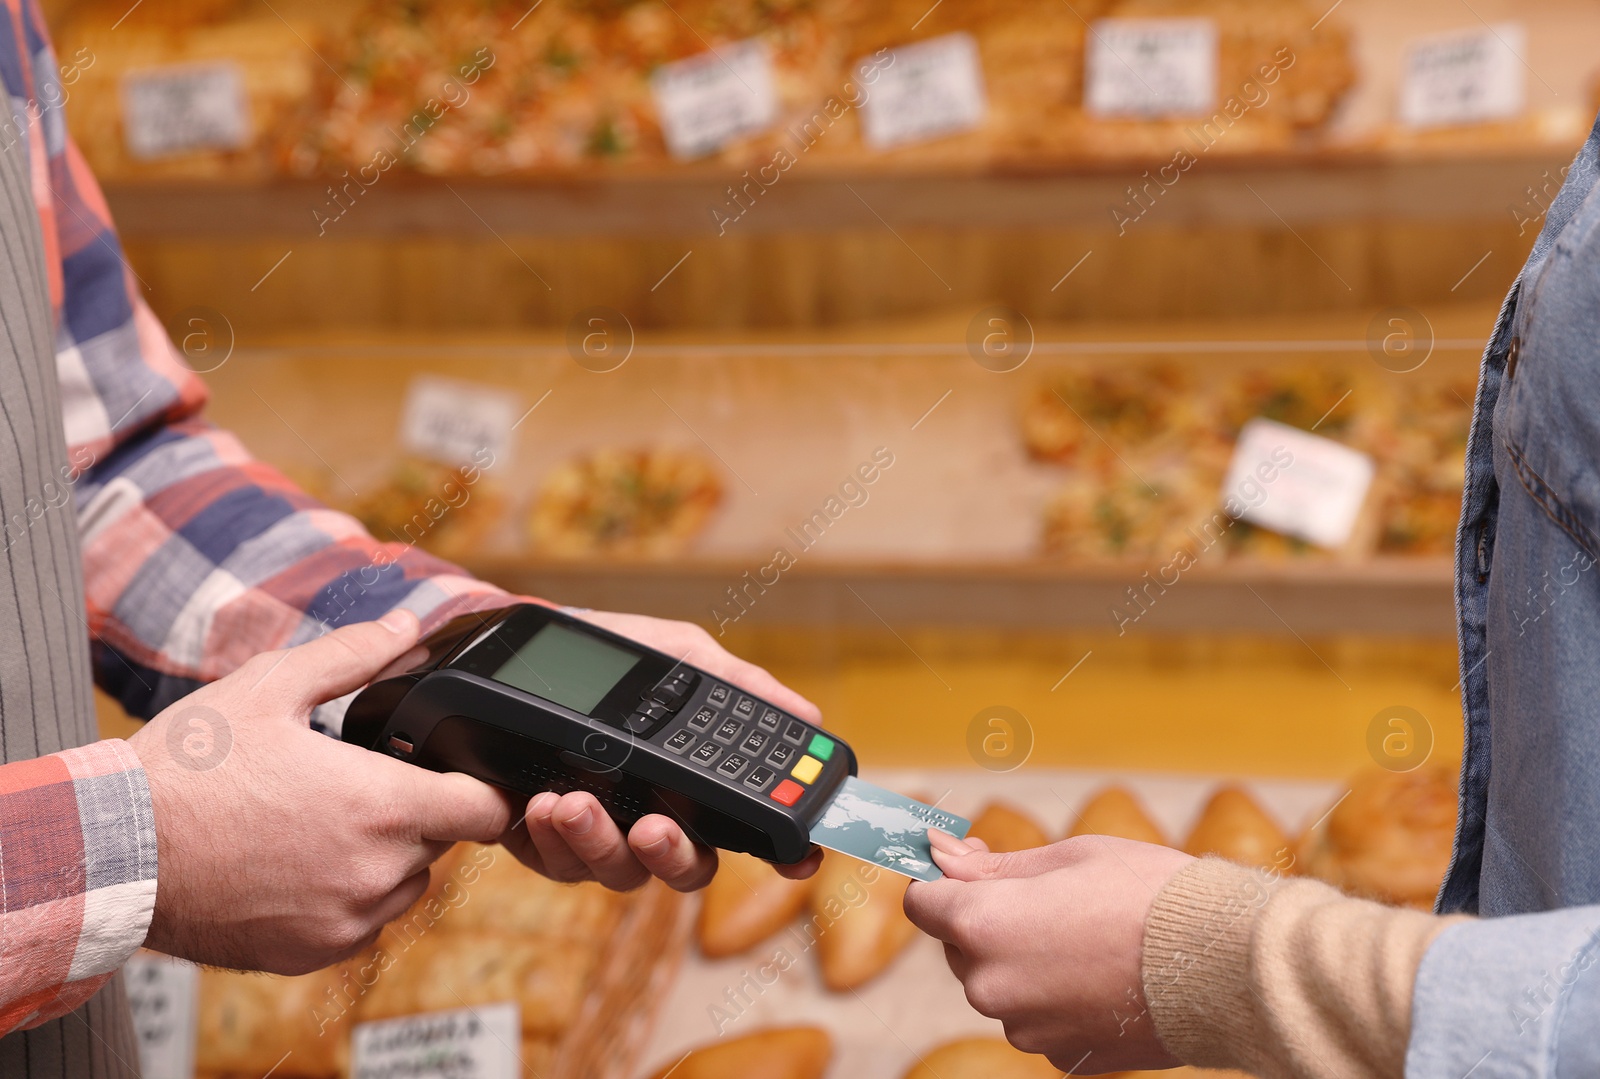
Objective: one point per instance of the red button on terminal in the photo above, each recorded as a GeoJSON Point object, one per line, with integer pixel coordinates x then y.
{"type": "Point", "coordinates": [787, 793]}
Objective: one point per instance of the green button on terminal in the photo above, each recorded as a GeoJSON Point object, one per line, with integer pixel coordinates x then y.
{"type": "Point", "coordinates": [821, 747]}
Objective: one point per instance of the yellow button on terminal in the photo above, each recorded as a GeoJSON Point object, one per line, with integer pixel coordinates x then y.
{"type": "Point", "coordinates": [808, 769]}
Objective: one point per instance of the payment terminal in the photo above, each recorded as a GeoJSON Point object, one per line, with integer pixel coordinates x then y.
{"type": "Point", "coordinates": [532, 699]}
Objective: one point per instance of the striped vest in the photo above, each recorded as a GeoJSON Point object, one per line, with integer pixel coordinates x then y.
{"type": "Point", "coordinates": [45, 690]}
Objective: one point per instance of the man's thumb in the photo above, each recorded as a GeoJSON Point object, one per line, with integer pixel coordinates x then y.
{"type": "Point", "coordinates": [348, 657]}
{"type": "Point", "coordinates": [455, 807]}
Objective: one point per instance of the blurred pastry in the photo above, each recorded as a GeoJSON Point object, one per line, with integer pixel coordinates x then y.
{"type": "Point", "coordinates": [1389, 838]}
{"type": "Point", "coordinates": [857, 918]}
{"type": "Point", "coordinates": [547, 978]}
{"type": "Point", "coordinates": [248, 1022]}
{"type": "Point", "coordinates": [1031, 56]}
{"type": "Point", "coordinates": [1311, 55]}
{"type": "Point", "coordinates": [1303, 395]}
{"type": "Point", "coordinates": [981, 1058]}
{"type": "Point", "coordinates": [1093, 415]}
{"type": "Point", "coordinates": [1128, 517]}
{"type": "Point", "coordinates": [1233, 826]}
{"type": "Point", "coordinates": [538, 1057]}
{"type": "Point", "coordinates": [268, 58]}
{"type": "Point", "coordinates": [642, 503]}
{"type": "Point", "coordinates": [745, 903]}
{"type": "Point", "coordinates": [582, 91]}
{"type": "Point", "coordinates": [776, 1053]}
{"type": "Point", "coordinates": [1424, 453]}
{"type": "Point", "coordinates": [1115, 811]}
{"type": "Point", "coordinates": [446, 511]}
{"type": "Point", "coordinates": [1006, 829]}
{"type": "Point", "coordinates": [505, 896]}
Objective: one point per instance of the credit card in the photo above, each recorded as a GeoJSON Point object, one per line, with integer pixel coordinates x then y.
{"type": "Point", "coordinates": [884, 828]}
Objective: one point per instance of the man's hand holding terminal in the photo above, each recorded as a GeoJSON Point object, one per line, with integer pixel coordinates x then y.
{"type": "Point", "coordinates": [282, 849]}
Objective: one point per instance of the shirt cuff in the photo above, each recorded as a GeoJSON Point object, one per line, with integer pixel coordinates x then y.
{"type": "Point", "coordinates": [434, 605]}
{"type": "Point", "coordinates": [1512, 996]}
{"type": "Point", "coordinates": [79, 837]}
{"type": "Point", "coordinates": [1279, 977]}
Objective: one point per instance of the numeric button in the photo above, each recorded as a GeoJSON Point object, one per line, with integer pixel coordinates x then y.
{"type": "Point", "coordinates": [780, 756]}
{"type": "Point", "coordinates": [680, 741]}
{"type": "Point", "coordinates": [733, 765]}
{"type": "Point", "coordinates": [708, 752]}
{"type": "Point", "coordinates": [755, 742]}
{"type": "Point", "coordinates": [701, 720]}
{"type": "Point", "coordinates": [729, 731]}
{"type": "Point", "coordinates": [771, 718]}
{"type": "Point", "coordinates": [745, 708]}
{"type": "Point", "coordinates": [718, 696]}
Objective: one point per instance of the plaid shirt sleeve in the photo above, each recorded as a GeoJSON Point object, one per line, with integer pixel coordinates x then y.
{"type": "Point", "coordinates": [77, 877]}
{"type": "Point", "coordinates": [196, 557]}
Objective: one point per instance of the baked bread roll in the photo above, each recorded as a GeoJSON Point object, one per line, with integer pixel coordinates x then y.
{"type": "Point", "coordinates": [778, 1053]}
{"type": "Point", "coordinates": [547, 978]}
{"type": "Point", "coordinates": [1006, 829]}
{"type": "Point", "coordinates": [247, 1022]}
{"type": "Point", "coordinates": [745, 903]}
{"type": "Point", "coordinates": [1233, 826]}
{"type": "Point", "coordinates": [1115, 811]}
{"type": "Point", "coordinates": [505, 896]}
{"type": "Point", "coordinates": [1390, 838]}
{"type": "Point", "coordinates": [982, 1058]}
{"type": "Point", "coordinates": [857, 919]}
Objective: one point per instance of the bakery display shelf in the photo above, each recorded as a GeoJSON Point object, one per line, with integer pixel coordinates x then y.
{"type": "Point", "coordinates": [1308, 187]}
{"type": "Point", "coordinates": [1382, 596]}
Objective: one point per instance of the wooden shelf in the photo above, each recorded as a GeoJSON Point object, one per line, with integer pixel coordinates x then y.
{"type": "Point", "coordinates": [1390, 597]}
{"type": "Point", "coordinates": [1296, 188]}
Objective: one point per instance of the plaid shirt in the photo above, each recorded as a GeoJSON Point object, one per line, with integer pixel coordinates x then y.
{"type": "Point", "coordinates": [195, 558]}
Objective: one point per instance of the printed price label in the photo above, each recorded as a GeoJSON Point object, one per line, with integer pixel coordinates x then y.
{"type": "Point", "coordinates": [923, 91]}
{"type": "Point", "coordinates": [172, 110]}
{"type": "Point", "coordinates": [468, 1043]}
{"type": "Point", "coordinates": [1151, 67]}
{"type": "Point", "coordinates": [709, 100]}
{"type": "Point", "coordinates": [452, 422]}
{"type": "Point", "coordinates": [162, 992]}
{"type": "Point", "coordinates": [1297, 483]}
{"type": "Point", "coordinates": [1464, 78]}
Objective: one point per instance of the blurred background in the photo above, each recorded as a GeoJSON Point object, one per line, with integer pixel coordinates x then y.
{"type": "Point", "coordinates": [1070, 398]}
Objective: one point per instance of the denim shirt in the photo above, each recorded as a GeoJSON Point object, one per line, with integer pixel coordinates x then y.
{"type": "Point", "coordinates": [1517, 992]}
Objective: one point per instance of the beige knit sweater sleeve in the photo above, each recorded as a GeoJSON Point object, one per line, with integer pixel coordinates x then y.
{"type": "Point", "coordinates": [1282, 977]}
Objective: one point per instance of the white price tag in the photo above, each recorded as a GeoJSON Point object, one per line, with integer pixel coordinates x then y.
{"type": "Point", "coordinates": [1297, 483]}
{"type": "Point", "coordinates": [709, 100]}
{"type": "Point", "coordinates": [162, 992]}
{"type": "Point", "coordinates": [1465, 77]}
{"type": "Point", "coordinates": [1151, 67]}
{"type": "Point", "coordinates": [923, 91]}
{"type": "Point", "coordinates": [171, 110]}
{"type": "Point", "coordinates": [454, 422]}
{"type": "Point", "coordinates": [468, 1043]}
